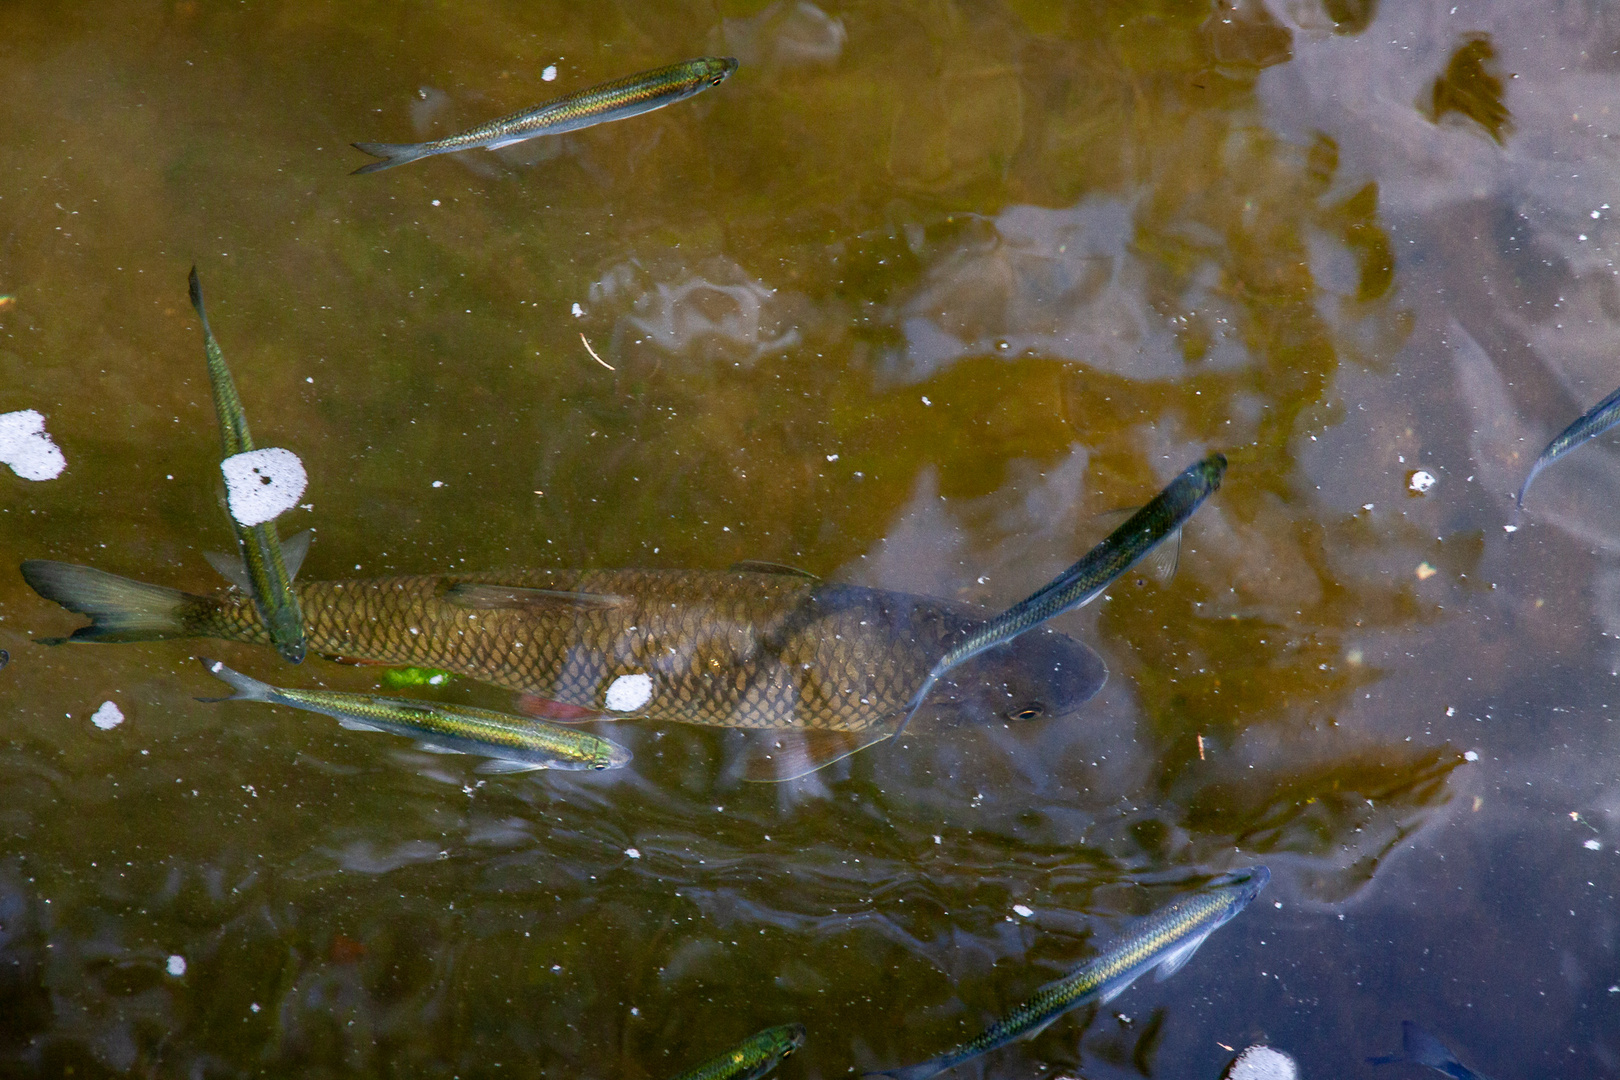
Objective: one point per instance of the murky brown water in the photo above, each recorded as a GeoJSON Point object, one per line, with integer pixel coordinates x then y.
{"type": "Point", "coordinates": [919, 293]}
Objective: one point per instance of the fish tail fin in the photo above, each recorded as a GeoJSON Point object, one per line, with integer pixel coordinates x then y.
{"type": "Point", "coordinates": [120, 609]}
{"type": "Point", "coordinates": [391, 153]}
{"type": "Point", "coordinates": [247, 689]}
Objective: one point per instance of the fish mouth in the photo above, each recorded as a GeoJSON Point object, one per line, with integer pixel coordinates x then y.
{"type": "Point", "coordinates": [617, 757]}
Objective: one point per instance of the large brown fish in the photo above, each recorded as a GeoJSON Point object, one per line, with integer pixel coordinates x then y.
{"type": "Point", "coordinates": [747, 648]}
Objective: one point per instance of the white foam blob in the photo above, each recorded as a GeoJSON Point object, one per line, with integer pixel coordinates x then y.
{"type": "Point", "coordinates": [262, 484]}
{"type": "Point", "coordinates": [1024, 909]}
{"type": "Point", "coordinates": [549, 74]}
{"type": "Point", "coordinates": [27, 449]}
{"type": "Point", "coordinates": [1263, 1063]}
{"type": "Point", "coordinates": [108, 716]}
{"type": "Point", "coordinates": [1421, 481]}
{"type": "Point", "coordinates": [629, 692]}
{"type": "Point", "coordinates": [177, 965]}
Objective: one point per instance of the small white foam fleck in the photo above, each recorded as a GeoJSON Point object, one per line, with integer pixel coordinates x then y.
{"type": "Point", "coordinates": [108, 716]}
{"type": "Point", "coordinates": [1593, 845]}
{"type": "Point", "coordinates": [1024, 909]}
{"type": "Point", "coordinates": [629, 692]}
{"type": "Point", "coordinates": [27, 449]}
{"type": "Point", "coordinates": [177, 965]}
{"type": "Point", "coordinates": [262, 484]}
{"type": "Point", "coordinates": [1263, 1063]}
{"type": "Point", "coordinates": [632, 852]}
{"type": "Point", "coordinates": [579, 312]}
{"type": "Point", "coordinates": [550, 74]}
{"type": "Point", "coordinates": [1470, 755]}
{"type": "Point", "coordinates": [1421, 481]}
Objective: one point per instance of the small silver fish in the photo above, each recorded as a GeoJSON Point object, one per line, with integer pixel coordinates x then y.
{"type": "Point", "coordinates": [616, 100]}
{"type": "Point", "coordinates": [512, 743]}
{"type": "Point", "coordinates": [1165, 940]}
{"type": "Point", "coordinates": [1594, 422]}
{"type": "Point", "coordinates": [1083, 582]}
{"type": "Point", "coordinates": [1418, 1047]}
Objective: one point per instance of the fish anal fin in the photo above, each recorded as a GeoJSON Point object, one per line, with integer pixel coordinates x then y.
{"type": "Point", "coordinates": [1162, 559]}
{"type": "Point", "coordinates": [503, 766]}
{"type": "Point", "coordinates": [355, 725]}
{"type": "Point", "coordinates": [469, 594]}
{"type": "Point", "coordinates": [558, 712]}
{"type": "Point", "coordinates": [435, 748]}
{"type": "Point", "coordinates": [1177, 958]}
{"type": "Point", "coordinates": [293, 550]}
{"type": "Point", "coordinates": [762, 566]}
{"type": "Point", "coordinates": [778, 756]}
{"type": "Point", "coordinates": [231, 568]}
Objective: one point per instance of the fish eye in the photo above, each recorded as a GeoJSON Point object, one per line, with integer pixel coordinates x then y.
{"type": "Point", "coordinates": [599, 766]}
{"type": "Point", "coordinates": [1028, 712]}
{"type": "Point", "coordinates": [717, 80]}
{"type": "Point", "coordinates": [789, 1051]}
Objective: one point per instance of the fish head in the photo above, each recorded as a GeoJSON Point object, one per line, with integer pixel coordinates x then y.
{"type": "Point", "coordinates": [790, 1037]}
{"type": "Point", "coordinates": [1211, 469]}
{"type": "Point", "coordinates": [1039, 675]}
{"type": "Point", "coordinates": [717, 69]}
{"type": "Point", "coordinates": [610, 755]}
{"type": "Point", "coordinates": [1245, 885]}
{"type": "Point", "coordinates": [286, 626]}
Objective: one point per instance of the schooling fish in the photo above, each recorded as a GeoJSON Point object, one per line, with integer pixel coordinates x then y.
{"type": "Point", "coordinates": [1086, 579]}
{"type": "Point", "coordinates": [513, 743]}
{"type": "Point", "coordinates": [1600, 418]}
{"type": "Point", "coordinates": [264, 570]}
{"type": "Point", "coordinates": [1420, 1048]}
{"type": "Point", "coordinates": [616, 100]}
{"type": "Point", "coordinates": [752, 1058]}
{"type": "Point", "coordinates": [744, 648]}
{"type": "Point", "coordinates": [1166, 940]}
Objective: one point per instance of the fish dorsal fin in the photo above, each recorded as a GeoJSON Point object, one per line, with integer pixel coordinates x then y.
{"type": "Point", "coordinates": [356, 725]}
{"type": "Point", "coordinates": [762, 566]}
{"type": "Point", "coordinates": [777, 756]}
{"type": "Point", "coordinates": [471, 594]}
{"type": "Point", "coordinates": [1177, 958]}
{"type": "Point", "coordinates": [293, 550]}
{"type": "Point", "coordinates": [502, 766]}
{"type": "Point", "coordinates": [231, 568]}
{"type": "Point", "coordinates": [559, 712]}
{"type": "Point", "coordinates": [1162, 559]}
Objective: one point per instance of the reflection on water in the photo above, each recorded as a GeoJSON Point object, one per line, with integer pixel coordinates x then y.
{"type": "Point", "coordinates": [922, 293]}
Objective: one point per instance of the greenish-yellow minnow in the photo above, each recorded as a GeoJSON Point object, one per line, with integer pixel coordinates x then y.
{"type": "Point", "coordinates": [1165, 940]}
{"type": "Point", "coordinates": [265, 571]}
{"type": "Point", "coordinates": [616, 100]}
{"type": "Point", "coordinates": [512, 743]}
{"type": "Point", "coordinates": [1086, 579]}
{"type": "Point", "coordinates": [752, 1058]}
{"type": "Point", "coordinates": [827, 668]}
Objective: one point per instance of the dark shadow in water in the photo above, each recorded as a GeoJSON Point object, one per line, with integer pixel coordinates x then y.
{"type": "Point", "coordinates": [1470, 87]}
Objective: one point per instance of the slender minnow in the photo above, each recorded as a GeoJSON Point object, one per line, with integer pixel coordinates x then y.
{"type": "Point", "coordinates": [513, 743]}
{"type": "Point", "coordinates": [1165, 939]}
{"type": "Point", "coordinates": [753, 1057]}
{"type": "Point", "coordinates": [260, 545]}
{"type": "Point", "coordinates": [616, 100]}
{"type": "Point", "coordinates": [1598, 419]}
{"type": "Point", "coordinates": [1418, 1047]}
{"type": "Point", "coordinates": [1086, 579]}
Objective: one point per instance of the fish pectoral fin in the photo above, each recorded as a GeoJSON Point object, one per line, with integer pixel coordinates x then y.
{"type": "Point", "coordinates": [355, 725]}
{"type": "Point", "coordinates": [1161, 561]}
{"type": "Point", "coordinates": [1177, 958]}
{"type": "Point", "coordinates": [231, 568]}
{"type": "Point", "coordinates": [778, 756]}
{"type": "Point", "coordinates": [471, 594]}
{"type": "Point", "coordinates": [503, 766]}
{"type": "Point", "coordinates": [559, 712]}
{"type": "Point", "coordinates": [761, 566]}
{"type": "Point", "coordinates": [293, 550]}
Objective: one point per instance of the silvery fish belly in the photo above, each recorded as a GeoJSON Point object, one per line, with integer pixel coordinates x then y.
{"type": "Point", "coordinates": [733, 649]}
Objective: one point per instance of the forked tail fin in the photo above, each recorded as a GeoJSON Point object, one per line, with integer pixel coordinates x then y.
{"type": "Point", "coordinates": [247, 689]}
{"type": "Point", "coordinates": [121, 609]}
{"type": "Point", "coordinates": [391, 153]}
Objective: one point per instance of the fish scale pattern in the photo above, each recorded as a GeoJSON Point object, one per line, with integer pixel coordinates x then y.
{"type": "Point", "coordinates": [732, 649]}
